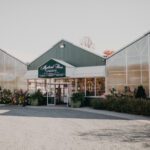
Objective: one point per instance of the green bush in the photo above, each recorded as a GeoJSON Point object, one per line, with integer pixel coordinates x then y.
{"type": "Point", "coordinates": [19, 97]}
{"type": "Point", "coordinates": [87, 101]}
{"type": "Point", "coordinates": [122, 104]}
{"type": "Point", "coordinates": [16, 97]}
{"type": "Point", "coordinates": [140, 92]}
{"type": "Point", "coordinates": [77, 100]}
{"type": "Point", "coordinates": [5, 96]}
{"type": "Point", "coordinates": [37, 98]}
{"type": "Point", "coordinates": [98, 103]}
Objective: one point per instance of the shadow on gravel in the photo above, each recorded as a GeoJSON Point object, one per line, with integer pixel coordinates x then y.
{"type": "Point", "coordinates": [52, 112]}
{"type": "Point", "coordinates": [130, 135]}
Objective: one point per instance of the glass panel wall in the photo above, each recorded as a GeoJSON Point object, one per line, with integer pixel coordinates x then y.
{"type": "Point", "coordinates": [12, 72]}
{"type": "Point", "coordinates": [116, 71]}
{"type": "Point", "coordinates": [41, 85]}
{"type": "Point", "coordinates": [1, 68]}
{"type": "Point", "coordinates": [100, 86]}
{"type": "Point", "coordinates": [31, 85]}
{"type": "Point", "coordinates": [81, 85]}
{"type": "Point", "coordinates": [88, 86]}
{"type": "Point", "coordinates": [73, 85]}
{"type": "Point", "coordinates": [129, 67]}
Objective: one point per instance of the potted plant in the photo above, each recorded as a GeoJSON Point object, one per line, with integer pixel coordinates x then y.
{"type": "Point", "coordinates": [77, 99]}
{"type": "Point", "coordinates": [36, 98]}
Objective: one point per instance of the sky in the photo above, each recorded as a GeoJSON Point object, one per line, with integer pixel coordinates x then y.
{"type": "Point", "coordinates": [28, 28]}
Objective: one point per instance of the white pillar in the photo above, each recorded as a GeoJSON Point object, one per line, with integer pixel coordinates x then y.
{"type": "Point", "coordinates": [35, 82]}
{"type": "Point", "coordinates": [45, 83]}
{"type": "Point", "coordinates": [141, 70]}
{"type": "Point", "coordinates": [85, 86]}
{"type": "Point", "coordinates": [3, 83]}
{"type": "Point", "coordinates": [94, 86]}
{"type": "Point", "coordinates": [75, 85]}
{"type": "Point", "coordinates": [126, 59]}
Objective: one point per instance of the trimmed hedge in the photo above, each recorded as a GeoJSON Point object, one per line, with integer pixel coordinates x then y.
{"type": "Point", "coordinates": [125, 105]}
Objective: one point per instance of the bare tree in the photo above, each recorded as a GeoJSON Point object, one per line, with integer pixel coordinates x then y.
{"type": "Point", "coordinates": [87, 42]}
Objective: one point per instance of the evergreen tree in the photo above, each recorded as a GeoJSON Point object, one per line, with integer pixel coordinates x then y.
{"type": "Point", "coordinates": [140, 92]}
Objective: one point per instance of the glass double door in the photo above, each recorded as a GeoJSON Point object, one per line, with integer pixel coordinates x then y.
{"type": "Point", "coordinates": [57, 94]}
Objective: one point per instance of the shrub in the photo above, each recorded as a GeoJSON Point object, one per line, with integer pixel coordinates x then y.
{"type": "Point", "coordinates": [98, 103]}
{"type": "Point", "coordinates": [122, 104]}
{"type": "Point", "coordinates": [16, 97]}
{"type": "Point", "coordinates": [20, 97]}
{"type": "Point", "coordinates": [77, 100]}
{"type": "Point", "coordinates": [78, 97]}
{"type": "Point", "coordinates": [87, 101]}
{"type": "Point", "coordinates": [140, 92]}
{"type": "Point", "coordinates": [5, 96]}
{"type": "Point", "coordinates": [37, 98]}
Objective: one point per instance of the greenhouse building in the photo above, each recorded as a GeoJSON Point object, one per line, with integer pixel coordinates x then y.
{"type": "Point", "coordinates": [130, 66]}
{"type": "Point", "coordinates": [12, 72]}
{"type": "Point", "coordinates": [65, 69]}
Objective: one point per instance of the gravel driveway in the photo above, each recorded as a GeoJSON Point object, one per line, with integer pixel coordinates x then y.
{"type": "Point", "coordinates": [61, 128]}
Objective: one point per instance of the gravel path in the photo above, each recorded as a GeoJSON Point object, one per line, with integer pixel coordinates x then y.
{"type": "Point", "coordinates": [66, 129]}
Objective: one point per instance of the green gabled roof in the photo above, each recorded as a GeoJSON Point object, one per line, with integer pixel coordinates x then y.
{"type": "Point", "coordinates": [71, 54]}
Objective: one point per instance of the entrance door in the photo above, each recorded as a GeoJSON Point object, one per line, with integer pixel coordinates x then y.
{"type": "Point", "coordinates": [51, 99]}
{"type": "Point", "coordinates": [58, 94]}
{"type": "Point", "coordinates": [62, 93]}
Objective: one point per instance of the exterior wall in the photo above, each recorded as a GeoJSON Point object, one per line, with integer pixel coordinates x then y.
{"type": "Point", "coordinates": [129, 67]}
{"type": "Point", "coordinates": [95, 71]}
{"type": "Point", "coordinates": [149, 60]}
{"type": "Point", "coordinates": [12, 72]}
{"type": "Point", "coordinates": [89, 80]}
{"type": "Point", "coordinates": [74, 72]}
